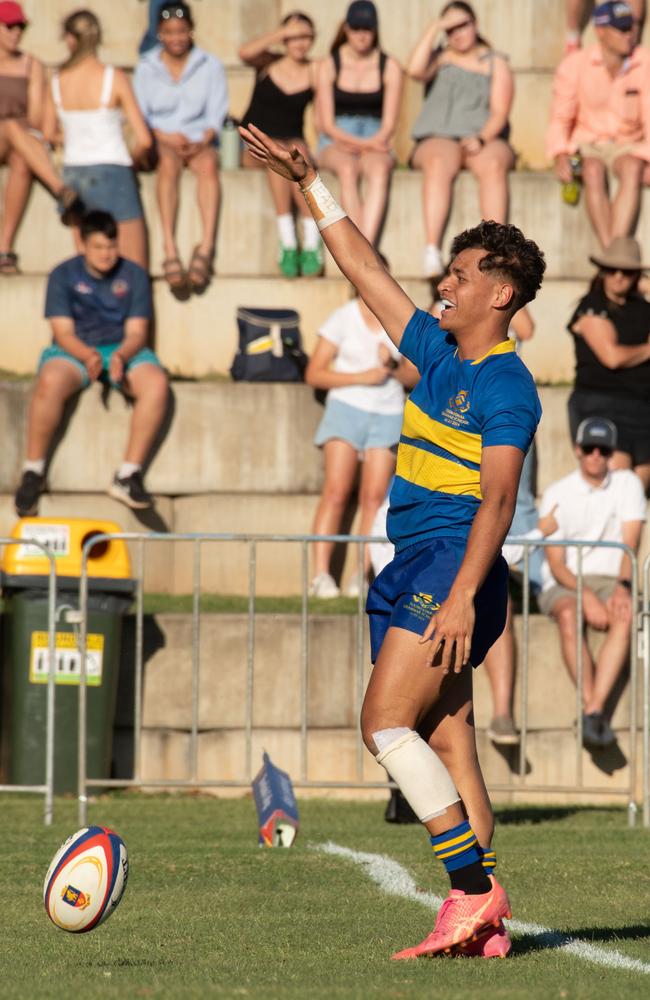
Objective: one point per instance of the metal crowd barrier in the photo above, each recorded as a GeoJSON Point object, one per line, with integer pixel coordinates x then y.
{"type": "Point", "coordinates": [47, 790]}
{"type": "Point", "coordinates": [85, 782]}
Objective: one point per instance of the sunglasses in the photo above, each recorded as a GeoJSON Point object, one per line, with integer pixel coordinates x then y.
{"type": "Point", "coordinates": [627, 272]}
{"type": "Point", "coordinates": [458, 27]}
{"type": "Point", "coordinates": [589, 449]}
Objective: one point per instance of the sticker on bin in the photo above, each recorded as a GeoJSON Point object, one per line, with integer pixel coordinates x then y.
{"type": "Point", "coordinates": [55, 536]}
{"type": "Point", "coordinates": [68, 659]}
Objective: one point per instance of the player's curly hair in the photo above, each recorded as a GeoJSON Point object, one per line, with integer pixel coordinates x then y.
{"type": "Point", "coordinates": [509, 254]}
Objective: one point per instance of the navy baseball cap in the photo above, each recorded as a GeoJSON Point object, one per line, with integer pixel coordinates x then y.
{"type": "Point", "coordinates": [597, 431]}
{"type": "Point", "coordinates": [362, 14]}
{"type": "Point", "coordinates": [613, 14]}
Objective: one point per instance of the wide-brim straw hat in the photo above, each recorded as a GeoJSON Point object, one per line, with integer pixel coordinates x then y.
{"type": "Point", "coordinates": [623, 252]}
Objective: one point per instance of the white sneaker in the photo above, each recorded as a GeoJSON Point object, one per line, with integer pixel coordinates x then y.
{"type": "Point", "coordinates": [352, 589]}
{"type": "Point", "coordinates": [323, 585]}
{"type": "Point", "coordinates": [432, 265]}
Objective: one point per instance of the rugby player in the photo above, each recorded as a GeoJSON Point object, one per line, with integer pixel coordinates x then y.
{"type": "Point", "coordinates": [436, 609]}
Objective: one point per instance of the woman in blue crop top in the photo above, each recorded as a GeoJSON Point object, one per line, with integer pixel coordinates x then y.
{"type": "Point", "coordinates": [358, 99]}
{"type": "Point", "coordinates": [284, 87]}
{"type": "Point", "coordinates": [463, 122]}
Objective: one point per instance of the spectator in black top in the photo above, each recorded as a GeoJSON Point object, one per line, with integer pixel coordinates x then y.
{"type": "Point", "coordinates": [284, 86]}
{"type": "Point", "coordinates": [611, 328]}
{"type": "Point", "coordinates": [358, 96]}
{"type": "Point", "coordinates": [99, 308]}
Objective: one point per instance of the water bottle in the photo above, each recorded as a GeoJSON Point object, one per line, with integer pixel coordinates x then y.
{"type": "Point", "coordinates": [571, 190]}
{"type": "Point", "coordinates": [229, 145]}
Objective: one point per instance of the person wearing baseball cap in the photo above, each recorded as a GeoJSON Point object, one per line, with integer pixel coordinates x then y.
{"type": "Point", "coordinates": [359, 90]}
{"type": "Point", "coordinates": [22, 90]}
{"type": "Point", "coordinates": [600, 113]}
{"type": "Point", "coordinates": [576, 16]}
{"type": "Point", "coordinates": [610, 327]}
{"type": "Point", "coordinates": [594, 504]}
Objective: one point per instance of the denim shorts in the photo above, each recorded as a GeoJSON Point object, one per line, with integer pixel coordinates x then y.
{"type": "Point", "coordinates": [359, 126]}
{"type": "Point", "coordinates": [360, 428]}
{"type": "Point", "coordinates": [413, 586]}
{"type": "Point", "coordinates": [143, 357]}
{"type": "Point", "coordinates": [107, 187]}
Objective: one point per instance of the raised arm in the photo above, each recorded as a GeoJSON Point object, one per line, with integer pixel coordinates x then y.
{"type": "Point", "coordinates": [423, 61]}
{"type": "Point", "coordinates": [600, 335]}
{"type": "Point", "coordinates": [354, 255]}
{"type": "Point", "coordinates": [256, 52]}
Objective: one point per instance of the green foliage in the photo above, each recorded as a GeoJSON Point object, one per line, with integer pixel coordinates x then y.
{"type": "Point", "coordinates": [207, 913]}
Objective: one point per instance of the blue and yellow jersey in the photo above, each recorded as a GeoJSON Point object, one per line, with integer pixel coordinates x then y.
{"type": "Point", "coordinates": [457, 409]}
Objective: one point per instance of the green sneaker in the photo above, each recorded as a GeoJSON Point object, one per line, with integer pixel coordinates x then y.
{"type": "Point", "coordinates": [289, 262]}
{"type": "Point", "coordinates": [311, 263]}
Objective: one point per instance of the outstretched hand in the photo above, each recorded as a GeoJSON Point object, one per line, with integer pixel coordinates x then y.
{"type": "Point", "coordinates": [286, 161]}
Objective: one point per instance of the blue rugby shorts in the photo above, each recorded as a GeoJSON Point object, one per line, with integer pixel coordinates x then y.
{"type": "Point", "coordinates": [414, 585]}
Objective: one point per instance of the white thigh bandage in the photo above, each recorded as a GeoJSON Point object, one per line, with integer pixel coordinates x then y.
{"type": "Point", "coordinates": [322, 204]}
{"type": "Point", "coordinates": [423, 779]}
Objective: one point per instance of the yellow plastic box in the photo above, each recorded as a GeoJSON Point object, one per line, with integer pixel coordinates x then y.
{"type": "Point", "coordinates": [65, 537]}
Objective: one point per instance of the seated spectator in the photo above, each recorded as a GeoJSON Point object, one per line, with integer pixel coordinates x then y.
{"type": "Point", "coordinates": [284, 86]}
{"type": "Point", "coordinates": [611, 330]}
{"type": "Point", "coordinates": [601, 110]}
{"type": "Point", "coordinates": [183, 94]}
{"type": "Point", "coordinates": [22, 91]}
{"type": "Point", "coordinates": [596, 505]}
{"type": "Point", "coordinates": [463, 122]}
{"type": "Point", "coordinates": [99, 307]}
{"type": "Point", "coordinates": [365, 377]}
{"type": "Point", "coordinates": [358, 99]}
{"type": "Point", "coordinates": [577, 13]}
{"type": "Point", "coordinates": [89, 99]}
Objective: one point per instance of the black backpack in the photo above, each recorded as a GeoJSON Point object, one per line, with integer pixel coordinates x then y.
{"type": "Point", "coordinates": [270, 346]}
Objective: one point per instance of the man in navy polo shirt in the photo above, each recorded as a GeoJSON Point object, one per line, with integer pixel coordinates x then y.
{"type": "Point", "coordinates": [99, 308]}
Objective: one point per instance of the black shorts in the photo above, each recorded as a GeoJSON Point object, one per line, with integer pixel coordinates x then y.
{"type": "Point", "coordinates": [631, 417]}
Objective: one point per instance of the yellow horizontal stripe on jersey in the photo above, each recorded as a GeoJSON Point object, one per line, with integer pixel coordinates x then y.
{"type": "Point", "coordinates": [455, 841]}
{"type": "Point", "coordinates": [434, 473]}
{"type": "Point", "coordinates": [457, 850]}
{"type": "Point", "coordinates": [503, 347]}
{"type": "Point", "coordinates": [464, 444]}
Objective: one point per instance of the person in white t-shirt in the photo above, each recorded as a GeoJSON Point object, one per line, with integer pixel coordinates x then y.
{"type": "Point", "coordinates": [593, 503]}
{"type": "Point", "coordinates": [365, 377]}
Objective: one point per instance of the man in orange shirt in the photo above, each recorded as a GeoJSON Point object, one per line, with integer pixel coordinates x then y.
{"type": "Point", "coordinates": [601, 110]}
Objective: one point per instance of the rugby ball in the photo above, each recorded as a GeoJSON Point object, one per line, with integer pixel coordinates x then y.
{"type": "Point", "coordinates": [86, 879]}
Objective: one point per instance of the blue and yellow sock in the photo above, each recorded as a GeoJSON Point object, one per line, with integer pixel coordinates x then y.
{"type": "Point", "coordinates": [459, 851]}
{"type": "Point", "coordinates": [488, 860]}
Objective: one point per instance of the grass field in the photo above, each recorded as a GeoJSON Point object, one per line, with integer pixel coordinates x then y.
{"type": "Point", "coordinates": [209, 914]}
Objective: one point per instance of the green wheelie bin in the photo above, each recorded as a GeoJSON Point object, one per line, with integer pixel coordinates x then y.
{"type": "Point", "coordinates": [24, 582]}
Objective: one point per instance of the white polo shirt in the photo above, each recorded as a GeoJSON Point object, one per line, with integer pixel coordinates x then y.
{"type": "Point", "coordinates": [596, 513]}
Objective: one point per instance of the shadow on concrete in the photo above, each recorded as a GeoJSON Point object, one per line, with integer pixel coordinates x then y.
{"type": "Point", "coordinates": [123, 742]}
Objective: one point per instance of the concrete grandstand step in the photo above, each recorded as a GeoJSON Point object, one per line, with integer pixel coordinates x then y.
{"type": "Point", "coordinates": [222, 438]}
{"type": "Point", "coordinates": [530, 32]}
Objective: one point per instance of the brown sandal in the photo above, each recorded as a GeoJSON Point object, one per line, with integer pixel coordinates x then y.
{"type": "Point", "coordinates": [174, 273]}
{"type": "Point", "coordinates": [9, 264]}
{"type": "Point", "coordinates": [200, 270]}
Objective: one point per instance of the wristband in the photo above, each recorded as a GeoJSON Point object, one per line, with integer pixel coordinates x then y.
{"type": "Point", "coordinates": [322, 205]}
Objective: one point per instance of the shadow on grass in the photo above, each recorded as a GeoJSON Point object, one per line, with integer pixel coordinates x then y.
{"type": "Point", "coordinates": [524, 944]}
{"type": "Point", "coordinates": [546, 814]}
{"type": "Point", "coordinates": [134, 963]}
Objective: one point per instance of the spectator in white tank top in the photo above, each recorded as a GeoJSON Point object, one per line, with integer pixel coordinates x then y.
{"type": "Point", "coordinates": [88, 102]}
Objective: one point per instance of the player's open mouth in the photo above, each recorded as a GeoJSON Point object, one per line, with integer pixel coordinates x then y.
{"type": "Point", "coordinates": [446, 304]}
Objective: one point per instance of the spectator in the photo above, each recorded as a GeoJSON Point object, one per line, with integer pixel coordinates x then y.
{"type": "Point", "coordinates": [611, 330]}
{"type": "Point", "coordinates": [359, 91]}
{"type": "Point", "coordinates": [22, 90]}
{"type": "Point", "coordinates": [89, 99]}
{"type": "Point", "coordinates": [596, 505]}
{"type": "Point", "coordinates": [284, 87]}
{"type": "Point", "coordinates": [99, 307]}
{"type": "Point", "coordinates": [463, 122]}
{"type": "Point", "coordinates": [601, 111]}
{"type": "Point", "coordinates": [365, 378]}
{"type": "Point", "coordinates": [183, 95]}
{"type": "Point", "coordinates": [577, 13]}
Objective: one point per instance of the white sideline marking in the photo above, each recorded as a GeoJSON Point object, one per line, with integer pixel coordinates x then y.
{"type": "Point", "coordinates": [393, 879]}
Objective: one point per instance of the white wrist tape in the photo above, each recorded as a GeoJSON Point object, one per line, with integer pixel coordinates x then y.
{"type": "Point", "coordinates": [423, 779]}
{"type": "Point", "coordinates": [322, 204]}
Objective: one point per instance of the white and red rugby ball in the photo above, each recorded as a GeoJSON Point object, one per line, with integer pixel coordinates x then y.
{"type": "Point", "coordinates": [86, 879]}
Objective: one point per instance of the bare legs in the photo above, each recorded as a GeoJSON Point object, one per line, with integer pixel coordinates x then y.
{"type": "Point", "coordinates": [34, 153]}
{"type": "Point", "coordinates": [374, 169]}
{"type": "Point", "coordinates": [618, 217]}
{"type": "Point", "coordinates": [599, 678]}
{"type": "Point", "coordinates": [341, 463]}
{"type": "Point", "coordinates": [16, 193]}
{"type": "Point", "coordinates": [168, 174]}
{"type": "Point", "coordinates": [58, 380]}
{"type": "Point", "coordinates": [499, 665]}
{"type": "Point", "coordinates": [205, 168]}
